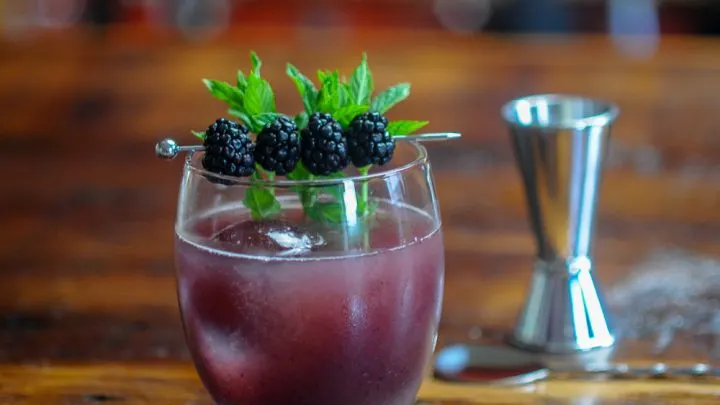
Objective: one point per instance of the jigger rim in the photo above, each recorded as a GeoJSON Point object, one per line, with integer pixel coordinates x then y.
{"type": "Point", "coordinates": [604, 111]}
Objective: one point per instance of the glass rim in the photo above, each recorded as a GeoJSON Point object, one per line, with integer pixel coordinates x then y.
{"type": "Point", "coordinates": [608, 114]}
{"type": "Point", "coordinates": [420, 159]}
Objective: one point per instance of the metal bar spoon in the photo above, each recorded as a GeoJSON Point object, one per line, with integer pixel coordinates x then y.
{"type": "Point", "coordinates": [506, 365]}
{"type": "Point", "coordinates": [168, 148]}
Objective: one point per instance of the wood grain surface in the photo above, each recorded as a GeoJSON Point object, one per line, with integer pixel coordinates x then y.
{"type": "Point", "coordinates": [88, 312]}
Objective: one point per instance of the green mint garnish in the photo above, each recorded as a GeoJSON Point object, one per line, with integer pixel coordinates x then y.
{"type": "Point", "coordinates": [390, 97]}
{"type": "Point", "coordinates": [252, 101]}
{"type": "Point", "coordinates": [242, 116]}
{"type": "Point", "coordinates": [346, 114]}
{"type": "Point", "coordinates": [364, 192]}
{"type": "Point", "coordinates": [199, 134]}
{"type": "Point", "coordinates": [256, 63]}
{"type": "Point", "coordinates": [361, 83]}
{"type": "Point", "coordinates": [301, 120]}
{"type": "Point", "coordinates": [241, 81]}
{"type": "Point", "coordinates": [403, 127]}
{"type": "Point", "coordinates": [328, 212]}
{"type": "Point", "coordinates": [306, 88]}
{"type": "Point", "coordinates": [260, 120]}
{"type": "Point", "coordinates": [344, 99]}
{"type": "Point", "coordinates": [224, 91]}
{"type": "Point", "coordinates": [323, 74]}
{"type": "Point", "coordinates": [307, 195]}
{"type": "Point", "coordinates": [259, 97]}
{"type": "Point", "coordinates": [333, 94]}
{"type": "Point", "coordinates": [252, 96]}
{"type": "Point", "coordinates": [260, 201]}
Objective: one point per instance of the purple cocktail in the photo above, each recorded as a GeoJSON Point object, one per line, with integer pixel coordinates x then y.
{"type": "Point", "coordinates": [315, 328]}
{"type": "Point", "coordinates": [309, 249]}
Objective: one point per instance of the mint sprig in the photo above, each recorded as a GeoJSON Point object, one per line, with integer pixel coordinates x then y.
{"type": "Point", "coordinates": [390, 97]}
{"type": "Point", "coordinates": [256, 63]}
{"type": "Point", "coordinates": [306, 88]}
{"type": "Point", "coordinates": [361, 83]}
{"type": "Point", "coordinates": [252, 101]}
{"type": "Point", "coordinates": [241, 81]}
{"type": "Point", "coordinates": [261, 201]}
{"type": "Point", "coordinates": [346, 114]}
{"type": "Point", "coordinates": [224, 91]}
{"type": "Point", "coordinates": [301, 120]}
{"type": "Point", "coordinates": [262, 119]}
{"type": "Point", "coordinates": [242, 116]}
{"type": "Point", "coordinates": [333, 94]}
{"type": "Point", "coordinates": [345, 100]}
{"type": "Point", "coordinates": [259, 97]}
{"type": "Point", "coordinates": [404, 127]}
{"type": "Point", "coordinates": [322, 75]}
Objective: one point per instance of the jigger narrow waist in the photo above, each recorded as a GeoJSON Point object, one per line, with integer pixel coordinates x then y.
{"type": "Point", "coordinates": [569, 265]}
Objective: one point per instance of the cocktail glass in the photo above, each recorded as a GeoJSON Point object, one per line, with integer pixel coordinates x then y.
{"type": "Point", "coordinates": [331, 295]}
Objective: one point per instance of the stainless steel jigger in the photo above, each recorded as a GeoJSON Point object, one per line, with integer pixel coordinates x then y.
{"type": "Point", "coordinates": [559, 143]}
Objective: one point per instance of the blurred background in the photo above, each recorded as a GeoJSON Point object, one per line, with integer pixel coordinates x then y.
{"type": "Point", "coordinates": [196, 19]}
{"type": "Point", "coordinates": [88, 86]}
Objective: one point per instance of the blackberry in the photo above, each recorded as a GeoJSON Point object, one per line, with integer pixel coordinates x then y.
{"type": "Point", "coordinates": [277, 147]}
{"type": "Point", "coordinates": [368, 140]}
{"type": "Point", "coordinates": [323, 145]}
{"type": "Point", "coordinates": [228, 149]}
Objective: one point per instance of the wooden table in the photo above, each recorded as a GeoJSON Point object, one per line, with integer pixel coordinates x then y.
{"type": "Point", "coordinates": [87, 301]}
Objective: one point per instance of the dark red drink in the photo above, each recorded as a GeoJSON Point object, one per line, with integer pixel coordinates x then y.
{"type": "Point", "coordinates": [286, 314]}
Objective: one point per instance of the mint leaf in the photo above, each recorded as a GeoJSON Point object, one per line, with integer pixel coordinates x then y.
{"type": "Point", "coordinates": [388, 98]}
{"type": "Point", "coordinates": [241, 80]}
{"type": "Point", "coordinates": [263, 119]}
{"type": "Point", "coordinates": [259, 96]}
{"type": "Point", "coordinates": [308, 196]}
{"type": "Point", "coordinates": [323, 75]}
{"type": "Point", "coordinates": [301, 120]}
{"type": "Point", "coordinates": [361, 83]}
{"type": "Point", "coordinates": [403, 127]}
{"type": "Point", "coordinates": [333, 95]}
{"type": "Point", "coordinates": [327, 212]}
{"type": "Point", "coordinates": [343, 96]}
{"type": "Point", "coordinates": [346, 114]}
{"type": "Point", "coordinates": [305, 86]}
{"type": "Point", "coordinates": [199, 134]}
{"type": "Point", "coordinates": [224, 91]}
{"type": "Point", "coordinates": [336, 190]}
{"type": "Point", "coordinates": [367, 208]}
{"type": "Point", "coordinates": [244, 118]}
{"type": "Point", "coordinates": [256, 63]}
{"type": "Point", "coordinates": [300, 173]}
{"type": "Point", "coordinates": [348, 89]}
{"type": "Point", "coordinates": [329, 97]}
{"type": "Point", "coordinates": [261, 202]}
{"type": "Point", "coordinates": [364, 197]}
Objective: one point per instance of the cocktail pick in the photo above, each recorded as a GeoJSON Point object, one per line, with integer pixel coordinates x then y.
{"type": "Point", "coordinates": [428, 137]}
{"type": "Point", "coordinates": [506, 365]}
{"type": "Point", "coordinates": [169, 149]}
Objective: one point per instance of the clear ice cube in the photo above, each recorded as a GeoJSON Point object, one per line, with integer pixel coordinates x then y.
{"type": "Point", "coordinates": [274, 238]}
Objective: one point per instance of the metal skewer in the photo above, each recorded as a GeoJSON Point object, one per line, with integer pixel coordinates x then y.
{"type": "Point", "coordinates": [169, 149]}
{"type": "Point", "coordinates": [428, 137]}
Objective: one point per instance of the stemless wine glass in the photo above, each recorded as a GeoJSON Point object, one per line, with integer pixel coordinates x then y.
{"type": "Point", "coordinates": [320, 291]}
